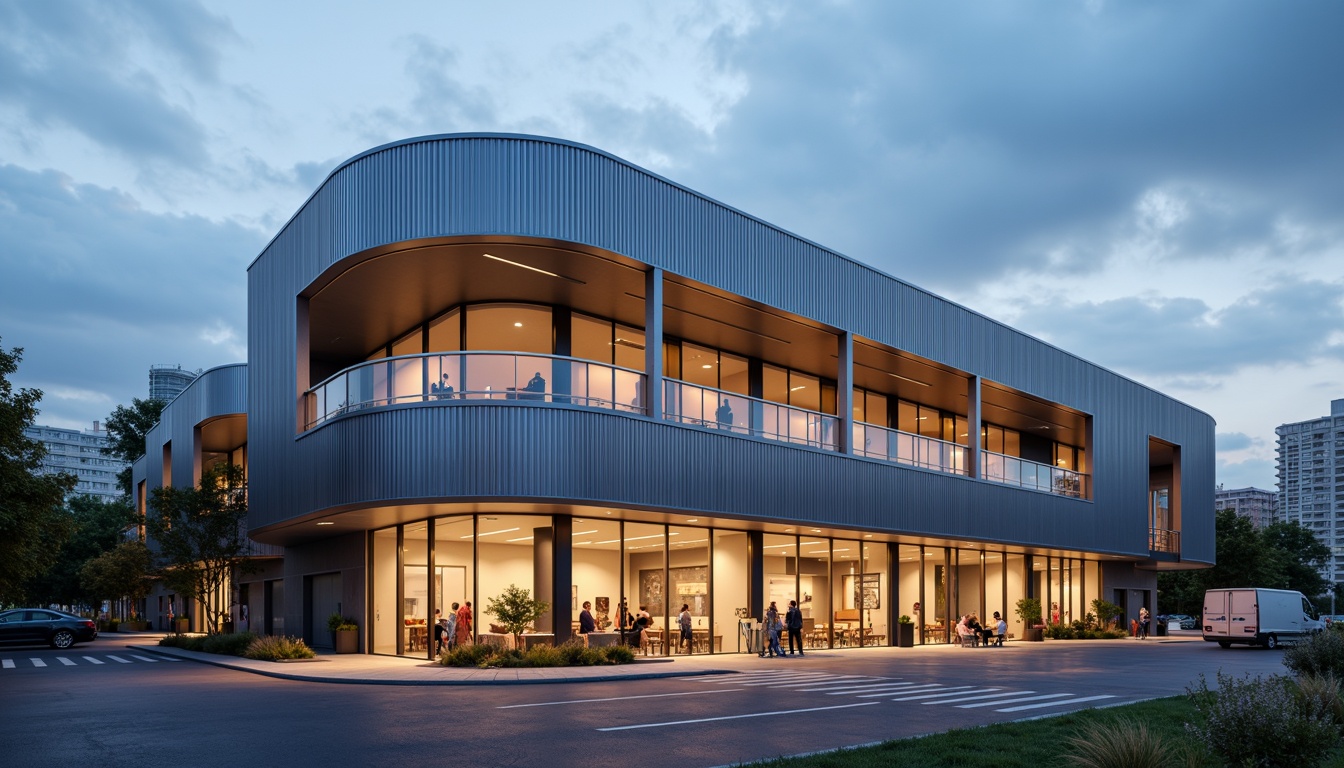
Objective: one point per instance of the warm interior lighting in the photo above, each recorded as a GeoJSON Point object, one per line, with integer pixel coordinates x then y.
{"type": "Point", "coordinates": [584, 533]}
{"type": "Point", "coordinates": [693, 520]}
{"type": "Point", "coordinates": [516, 264]}
{"type": "Point", "coordinates": [843, 549]}
{"type": "Point", "coordinates": [524, 538]}
{"type": "Point", "coordinates": [517, 325]}
{"type": "Point", "coordinates": [326, 522]}
{"type": "Point", "coordinates": [800, 386]}
{"type": "Point", "coordinates": [491, 533]}
{"type": "Point", "coordinates": [706, 365]}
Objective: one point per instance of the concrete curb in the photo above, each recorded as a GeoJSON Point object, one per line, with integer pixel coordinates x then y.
{"type": "Point", "coordinates": [228, 662]}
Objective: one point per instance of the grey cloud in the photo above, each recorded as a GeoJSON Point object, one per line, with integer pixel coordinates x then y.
{"type": "Point", "coordinates": [443, 102]}
{"type": "Point", "coordinates": [96, 289]}
{"type": "Point", "coordinates": [1232, 441]}
{"type": "Point", "coordinates": [71, 64]}
{"type": "Point", "coordinates": [1245, 474]}
{"type": "Point", "coordinates": [1287, 321]}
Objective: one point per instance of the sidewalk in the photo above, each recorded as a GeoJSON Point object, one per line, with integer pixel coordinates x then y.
{"type": "Point", "coordinates": [369, 669]}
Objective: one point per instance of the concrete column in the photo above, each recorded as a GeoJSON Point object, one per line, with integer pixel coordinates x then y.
{"type": "Point", "coordinates": [755, 574]}
{"type": "Point", "coordinates": [653, 342]}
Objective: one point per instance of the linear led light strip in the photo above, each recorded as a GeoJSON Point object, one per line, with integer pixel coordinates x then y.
{"type": "Point", "coordinates": [534, 269]}
{"type": "Point", "coordinates": [804, 544]}
{"type": "Point", "coordinates": [637, 538]}
{"type": "Point", "coordinates": [491, 533]}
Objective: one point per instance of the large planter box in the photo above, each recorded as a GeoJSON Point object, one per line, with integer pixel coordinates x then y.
{"type": "Point", "coordinates": [905, 635]}
{"type": "Point", "coordinates": [182, 625]}
{"type": "Point", "coordinates": [133, 626]}
{"type": "Point", "coordinates": [1033, 634]}
{"type": "Point", "coordinates": [347, 641]}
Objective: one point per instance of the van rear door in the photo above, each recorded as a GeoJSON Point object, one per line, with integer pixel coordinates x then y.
{"type": "Point", "coordinates": [1215, 614]}
{"type": "Point", "coordinates": [1243, 613]}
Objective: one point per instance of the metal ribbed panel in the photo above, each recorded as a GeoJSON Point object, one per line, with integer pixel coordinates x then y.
{"type": "Point", "coordinates": [218, 392]}
{"type": "Point", "coordinates": [529, 187]}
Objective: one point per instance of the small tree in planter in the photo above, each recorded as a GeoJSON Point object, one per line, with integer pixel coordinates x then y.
{"type": "Point", "coordinates": [905, 632]}
{"type": "Point", "coordinates": [344, 633]}
{"type": "Point", "coordinates": [516, 611]}
{"type": "Point", "coordinates": [1106, 611]}
{"type": "Point", "coordinates": [1029, 611]}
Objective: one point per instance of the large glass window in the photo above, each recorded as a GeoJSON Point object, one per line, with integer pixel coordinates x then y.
{"type": "Point", "coordinates": [509, 327]}
{"type": "Point", "coordinates": [590, 338]}
{"type": "Point", "coordinates": [645, 550]}
{"type": "Point", "coordinates": [454, 570]}
{"type": "Point", "coordinates": [966, 574]}
{"type": "Point", "coordinates": [781, 571]}
{"type": "Point", "coordinates": [417, 613]}
{"type": "Point", "coordinates": [939, 615]}
{"type": "Point", "coordinates": [507, 555]}
{"type": "Point", "coordinates": [700, 365]}
{"type": "Point", "coordinates": [688, 585]}
{"type": "Point", "coordinates": [814, 588]}
{"type": "Point", "coordinates": [804, 391]}
{"type": "Point", "coordinates": [873, 594]}
{"type": "Point", "coordinates": [846, 573]}
{"type": "Point", "coordinates": [994, 585]}
{"type": "Point", "coordinates": [597, 570]}
{"type": "Point", "coordinates": [1015, 575]}
{"type": "Point", "coordinates": [629, 347]}
{"type": "Point", "coordinates": [445, 332]}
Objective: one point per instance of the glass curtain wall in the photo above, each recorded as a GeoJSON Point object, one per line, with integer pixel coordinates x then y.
{"type": "Point", "coordinates": [814, 590]}
{"type": "Point", "coordinates": [872, 594]}
{"type": "Point", "coordinates": [994, 589]}
{"type": "Point", "coordinates": [730, 584]}
{"type": "Point", "coordinates": [781, 571]}
{"type": "Point", "coordinates": [645, 548]}
{"type": "Point", "coordinates": [688, 584]}
{"type": "Point", "coordinates": [454, 565]}
{"type": "Point", "coordinates": [416, 610]}
{"type": "Point", "coordinates": [939, 615]}
{"type": "Point", "coordinates": [506, 554]}
{"type": "Point", "coordinates": [597, 571]}
{"type": "Point", "coordinates": [908, 587]}
{"type": "Point", "coordinates": [846, 572]}
{"type": "Point", "coordinates": [387, 619]}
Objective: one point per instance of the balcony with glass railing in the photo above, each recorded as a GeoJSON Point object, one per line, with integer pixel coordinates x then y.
{"type": "Point", "coordinates": [1010, 470]}
{"type": "Point", "coordinates": [912, 450]}
{"type": "Point", "coordinates": [477, 377]}
{"type": "Point", "coordinates": [700, 406]}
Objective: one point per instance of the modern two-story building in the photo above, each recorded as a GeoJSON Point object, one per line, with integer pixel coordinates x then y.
{"type": "Point", "coordinates": [483, 360]}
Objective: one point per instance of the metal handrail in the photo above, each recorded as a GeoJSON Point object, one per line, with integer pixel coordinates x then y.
{"type": "Point", "coordinates": [479, 375]}
{"type": "Point", "coordinates": [876, 442]}
{"type": "Point", "coordinates": [1024, 473]}
{"type": "Point", "coordinates": [708, 407]}
{"type": "Point", "coordinates": [1164, 540]}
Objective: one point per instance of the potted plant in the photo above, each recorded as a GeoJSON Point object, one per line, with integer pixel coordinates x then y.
{"type": "Point", "coordinates": [905, 632]}
{"type": "Point", "coordinates": [344, 633]}
{"type": "Point", "coordinates": [1029, 611]}
{"type": "Point", "coordinates": [516, 610]}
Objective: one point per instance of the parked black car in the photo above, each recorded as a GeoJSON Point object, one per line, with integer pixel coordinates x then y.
{"type": "Point", "coordinates": [32, 626]}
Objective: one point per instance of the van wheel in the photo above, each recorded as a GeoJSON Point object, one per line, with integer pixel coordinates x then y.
{"type": "Point", "coordinates": [1271, 642]}
{"type": "Point", "coordinates": [1224, 644]}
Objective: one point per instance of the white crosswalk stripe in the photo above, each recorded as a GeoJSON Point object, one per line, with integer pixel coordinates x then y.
{"type": "Point", "coordinates": [7, 663]}
{"type": "Point", "coordinates": [92, 660]}
{"type": "Point", "coordinates": [119, 659]}
{"type": "Point", "coordinates": [144, 658]}
{"type": "Point", "coordinates": [898, 690]}
{"type": "Point", "coordinates": [47, 662]}
{"type": "Point", "coordinates": [65, 661]}
{"type": "Point", "coordinates": [38, 662]}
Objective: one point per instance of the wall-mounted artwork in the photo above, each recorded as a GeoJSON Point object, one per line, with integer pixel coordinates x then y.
{"type": "Point", "coordinates": [869, 591]}
{"type": "Point", "coordinates": [651, 591]}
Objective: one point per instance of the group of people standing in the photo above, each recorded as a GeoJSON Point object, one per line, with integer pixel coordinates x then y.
{"type": "Point", "coordinates": [454, 629]}
{"type": "Point", "coordinates": [775, 626]}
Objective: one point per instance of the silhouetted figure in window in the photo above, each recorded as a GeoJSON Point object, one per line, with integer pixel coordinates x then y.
{"type": "Point", "coordinates": [537, 386]}
{"type": "Point", "coordinates": [724, 415]}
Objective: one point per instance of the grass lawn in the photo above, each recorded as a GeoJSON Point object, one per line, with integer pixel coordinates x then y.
{"type": "Point", "coordinates": [1032, 744]}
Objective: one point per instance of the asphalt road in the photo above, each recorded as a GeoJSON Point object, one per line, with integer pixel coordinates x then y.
{"type": "Point", "coordinates": [60, 708]}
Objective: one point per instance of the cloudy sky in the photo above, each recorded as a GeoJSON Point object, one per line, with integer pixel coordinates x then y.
{"type": "Point", "coordinates": [1154, 186]}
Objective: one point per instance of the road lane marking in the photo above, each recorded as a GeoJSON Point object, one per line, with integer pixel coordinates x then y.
{"type": "Point", "coordinates": [1055, 703]}
{"type": "Point", "coordinates": [65, 661]}
{"type": "Point", "coordinates": [929, 695]}
{"type": "Point", "coordinates": [92, 660]}
{"type": "Point", "coordinates": [144, 658]}
{"type": "Point", "coordinates": [951, 692]}
{"type": "Point", "coordinates": [859, 689]}
{"type": "Point", "coordinates": [811, 680]}
{"type": "Point", "coordinates": [7, 663]}
{"type": "Point", "coordinates": [616, 698]}
{"type": "Point", "coordinates": [1015, 701]}
{"type": "Point", "coordinates": [838, 680]}
{"type": "Point", "coordinates": [38, 662]}
{"type": "Point", "coordinates": [736, 717]}
{"type": "Point", "coordinates": [118, 658]}
{"type": "Point", "coordinates": [979, 698]}
{"type": "Point", "coordinates": [911, 689]}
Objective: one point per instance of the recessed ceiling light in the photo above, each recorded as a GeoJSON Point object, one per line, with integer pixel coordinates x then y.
{"type": "Point", "coordinates": [326, 522]}
{"type": "Point", "coordinates": [517, 325]}
{"type": "Point", "coordinates": [788, 530]}
{"type": "Point", "coordinates": [816, 530]}
{"type": "Point", "coordinates": [693, 520]}
{"type": "Point", "coordinates": [706, 365]}
{"type": "Point", "coordinates": [867, 535]}
{"type": "Point", "coordinates": [795, 389]}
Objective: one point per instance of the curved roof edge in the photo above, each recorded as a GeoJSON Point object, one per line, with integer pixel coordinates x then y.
{"type": "Point", "coordinates": [712, 201]}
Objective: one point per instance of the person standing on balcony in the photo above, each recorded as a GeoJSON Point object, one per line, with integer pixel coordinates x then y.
{"type": "Point", "coordinates": [724, 415]}
{"type": "Point", "coordinates": [537, 386]}
{"type": "Point", "coordinates": [442, 391]}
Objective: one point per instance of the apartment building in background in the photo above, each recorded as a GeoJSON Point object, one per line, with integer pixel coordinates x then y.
{"type": "Point", "coordinates": [1255, 504]}
{"type": "Point", "coordinates": [167, 381]}
{"type": "Point", "coordinates": [1311, 480]}
{"type": "Point", "coordinates": [80, 453]}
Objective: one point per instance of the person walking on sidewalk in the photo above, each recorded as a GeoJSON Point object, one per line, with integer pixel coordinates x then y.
{"type": "Point", "coordinates": [773, 626]}
{"type": "Point", "coordinates": [1144, 618]}
{"type": "Point", "coordinates": [793, 621]}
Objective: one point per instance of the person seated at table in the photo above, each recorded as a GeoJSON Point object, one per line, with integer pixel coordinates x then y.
{"type": "Point", "coordinates": [964, 633]}
{"type": "Point", "coordinates": [1000, 630]}
{"type": "Point", "coordinates": [586, 622]}
{"type": "Point", "coordinates": [442, 391]}
{"type": "Point", "coordinates": [982, 633]}
{"type": "Point", "coordinates": [537, 385]}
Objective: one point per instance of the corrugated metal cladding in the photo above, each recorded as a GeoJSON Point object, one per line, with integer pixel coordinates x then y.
{"type": "Point", "coordinates": [218, 392]}
{"type": "Point", "coordinates": [532, 187]}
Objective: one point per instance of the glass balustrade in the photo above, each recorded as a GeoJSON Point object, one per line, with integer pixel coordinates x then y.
{"type": "Point", "coordinates": [1011, 470]}
{"type": "Point", "coordinates": [716, 409]}
{"type": "Point", "coordinates": [460, 376]}
{"type": "Point", "coordinates": [905, 448]}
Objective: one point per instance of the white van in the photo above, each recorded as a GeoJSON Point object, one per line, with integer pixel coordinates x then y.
{"type": "Point", "coordinates": [1258, 616]}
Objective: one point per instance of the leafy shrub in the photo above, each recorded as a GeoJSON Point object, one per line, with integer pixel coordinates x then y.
{"type": "Point", "coordinates": [577, 654]}
{"type": "Point", "coordinates": [1124, 743]}
{"type": "Point", "coordinates": [1261, 722]}
{"type": "Point", "coordinates": [1322, 654]}
{"type": "Point", "coordinates": [466, 655]}
{"type": "Point", "coordinates": [619, 654]}
{"type": "Point", "coordinates": [1322, 692]}
{"type": "Point", "coordinates": [185, 642]}
{"type": "Point", "coordinates": [277, 647]}
{"type": "Point", "coordinates": [337, 623]}
{"type": "Point", "coordinates": [230, 645]}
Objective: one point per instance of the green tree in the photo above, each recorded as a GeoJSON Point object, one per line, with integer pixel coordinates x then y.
{"type": "Point", "coordinates": [126, 431]}
{"type": "Point", "coordinates": [122, 572]}
{"type": "Point", "coordinates": [200, 537]}
{"type": "Point", "coordinates": [516, 610]}
{"type": "Point", "coordinates": [33, 524]}
{"type": "Point", "coordinates": [1279, 556]}
{"type": "Point", "coordinates": [97, 527]}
